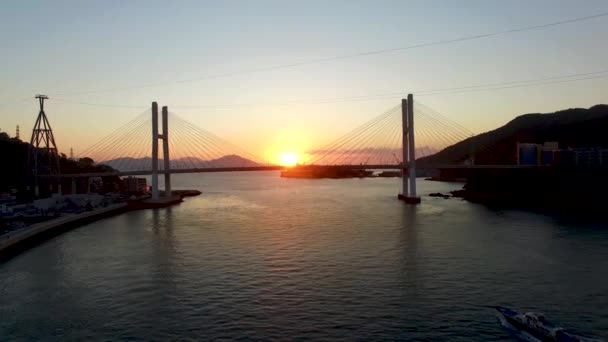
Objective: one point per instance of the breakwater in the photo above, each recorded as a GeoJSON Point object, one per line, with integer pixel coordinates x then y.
{"type": "Point", "coordinates": [15, 241]}
{"type": "Point", "coordinates": [18, 240]}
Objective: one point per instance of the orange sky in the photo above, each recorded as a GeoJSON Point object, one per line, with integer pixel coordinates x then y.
{"type": "Point", "coordinates": [103, 64]}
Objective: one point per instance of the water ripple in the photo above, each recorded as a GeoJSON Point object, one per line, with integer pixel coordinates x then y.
{"type": "Point", "coordinates": [258, 257]}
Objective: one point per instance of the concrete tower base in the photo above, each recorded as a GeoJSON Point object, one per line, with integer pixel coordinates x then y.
{"type": "Point", "coordinates": [161, 202]}
{"type": "Point", "coordinates": [409, 199]}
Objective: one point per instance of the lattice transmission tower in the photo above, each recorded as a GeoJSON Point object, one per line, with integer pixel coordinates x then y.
{"type": "Point", "coordinates": [43, 160]}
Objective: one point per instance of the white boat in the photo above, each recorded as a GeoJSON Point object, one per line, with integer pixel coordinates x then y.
{"type": "Point", "coordinates": [537, 326]}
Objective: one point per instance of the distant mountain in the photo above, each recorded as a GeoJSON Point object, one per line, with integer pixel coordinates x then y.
{"type": "Point", "coordinates": [129, 164]}
{"type": "Point", "coordinates": [232, 160]}
{"type": "Point", "coordinates": [577, 127]}
{"type": "Point", "coordinates": [135, 164]}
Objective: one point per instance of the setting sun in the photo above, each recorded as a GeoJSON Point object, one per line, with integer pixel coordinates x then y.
{"type": "Point", "coordinates": [289, 158]}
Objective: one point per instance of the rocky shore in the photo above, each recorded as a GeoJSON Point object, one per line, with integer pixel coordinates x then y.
{"type": "Point", "coordinates": [563, 190]}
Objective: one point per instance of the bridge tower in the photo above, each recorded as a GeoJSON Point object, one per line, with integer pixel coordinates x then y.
{"type": "Point", "coordinates": [408, 175]}
{"type": "Point", "coordinates": [167, 161]}
{"type": "Point", "coordinates": [43, 158]}
{"type": "Point", "coordinates": [165, 138]}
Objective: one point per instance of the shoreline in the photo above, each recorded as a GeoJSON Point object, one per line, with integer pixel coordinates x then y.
{"type": "Point", "coordinates": [15, 242]}
{"type": "Point", "coordinates": [564, 191]}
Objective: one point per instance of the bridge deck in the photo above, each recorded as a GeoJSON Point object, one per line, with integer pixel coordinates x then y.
{"type": "Point", "coordinates": [276, 167]}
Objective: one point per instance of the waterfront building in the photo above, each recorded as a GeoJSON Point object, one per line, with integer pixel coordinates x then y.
{"type": "Point", "coordinates": [550, 154]}
{"type": "Point", "coordinates": [135, 184]}
{"type": "Point", "coordinates": [528, 154]}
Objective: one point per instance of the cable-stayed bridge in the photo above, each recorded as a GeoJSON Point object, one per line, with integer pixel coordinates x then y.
{"type": "Point", "coordinates": [156, 144]}
{"type": "Point", "coordinates": [397, 139]}
{"type": "Point", "coordinates": [378, 142]}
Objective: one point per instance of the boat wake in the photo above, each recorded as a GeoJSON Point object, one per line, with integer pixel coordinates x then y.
{"type": "Point", "coordinates": [533, 327]}
{"type": "Point", "coordinates": [514, 332]}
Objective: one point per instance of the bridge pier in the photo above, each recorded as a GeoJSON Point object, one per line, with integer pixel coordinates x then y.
{"type": "Point", "coordinates": [408, 194]}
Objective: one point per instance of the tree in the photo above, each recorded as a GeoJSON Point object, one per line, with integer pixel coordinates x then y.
{"type": "Point", "coordinates": [86, 162]}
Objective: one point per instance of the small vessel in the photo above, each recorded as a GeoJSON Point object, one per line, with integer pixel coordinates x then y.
{"type": "Point", "coordinates": [538, 327]}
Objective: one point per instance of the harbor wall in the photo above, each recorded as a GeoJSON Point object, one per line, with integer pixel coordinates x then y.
{"type": "Point", "coordinates": [14, 242]}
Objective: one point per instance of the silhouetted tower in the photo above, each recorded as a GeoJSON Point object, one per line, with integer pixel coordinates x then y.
{"type": "Point", "coordinates": [71, 153]}
{"type": "Point", "coordinates": [43, 158]}
{"type": "Point", "coordinates": [166, 161]}
{"type": "Point", "coordinates": [408, 191]}
{"type": "Point", "coordinates": [17, 133]}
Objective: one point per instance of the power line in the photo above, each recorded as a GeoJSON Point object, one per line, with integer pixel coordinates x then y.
{"type": "Point", "coordinates": [98, 104]}
{"type": "Point", "coordinates": [515, 86]}
{"type": "Point", "coordinates": [391, 95]}
{"type": "Point", "coordinates": [29, 98]}
{"type": "Point", "coordinates": [514, 82]}
{"type": "Point", "coordinates": [342, 57]}
{"type": "Point", "coordinates": [382, 51]}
